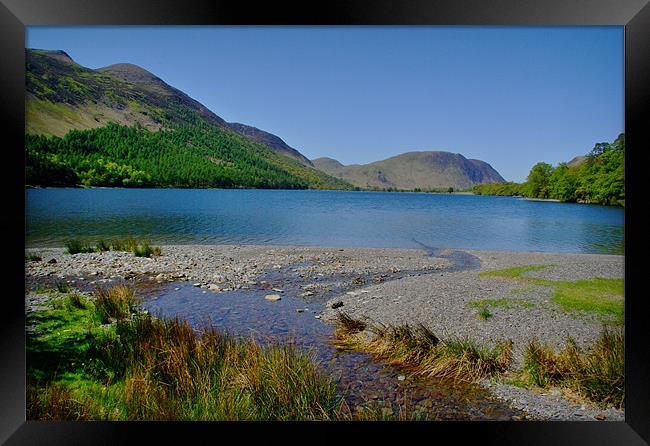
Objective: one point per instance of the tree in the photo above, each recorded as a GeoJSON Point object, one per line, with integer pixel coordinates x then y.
{"type": "Point", "coordinates": [563, 183]}
{"type": "Point", "coordinates": [537, 183]}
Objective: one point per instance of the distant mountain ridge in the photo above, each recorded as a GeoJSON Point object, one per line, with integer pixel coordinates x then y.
{"type": "Point", "coordinates": [62, 95]}
{"type": "Point", "coordinates": [424, 170]}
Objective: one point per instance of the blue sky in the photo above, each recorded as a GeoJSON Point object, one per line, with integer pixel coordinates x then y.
{"type": "Point", "coordinates": [511, 96]}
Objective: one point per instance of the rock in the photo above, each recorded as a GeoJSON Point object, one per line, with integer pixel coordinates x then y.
{"type": "Point", "coordinates": [318, 316]}
{"type": "Point", "coordinates": [272, 297]}
{"type": "Point", "coordinates": [401, 378]}
{"type": "Point", "coordinates": [351, 293]}
{"type": "Point", "coordinates": [338, 304]}
{"type": "Point", "coordinates": [306, 293]}
{"type": "Point", "coordinates": [600, 416]}
{"type": "Point", "coordinates": [51, 261]}
{"type": "Point", "coordinates": [196, 284]}
{"type": "Point", "coordinates": [214, 287]}
{"type": "Point", "coordinates": [277, 290]}
{"type": "Point", "coordinates": [299, 310]}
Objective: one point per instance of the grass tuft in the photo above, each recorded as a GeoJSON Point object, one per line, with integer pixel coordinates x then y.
{"type": "Point", "coordinates": [598, 374]}
{"type": "Point", "coordinates": [129, 244]}
{"type": "Point", "coordinates": [62, 287]}
{"type": "Point", "coordinates": [103, 246]}
{"type": "Point", "coordinates": [33, 257]}
{"type": "Point", "coordinates": [144, 250]}
{"type": "Point", "coordinates": [346, 325]}
{"type": "Point", "coordinates": [75, 300]}
{"type": "Point", "coordinates": [75, 246]}
{"type": "Point", "coordinates": [484, 314]}
{"type": "Point", "coordinates": [114, 304]}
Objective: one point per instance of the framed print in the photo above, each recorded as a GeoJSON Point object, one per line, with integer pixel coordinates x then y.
{"type": "Point", "coordinates": [361, 217]}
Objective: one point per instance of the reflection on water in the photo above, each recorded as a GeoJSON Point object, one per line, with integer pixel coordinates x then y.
{"type": "Point", "coordinates": [326, 218]}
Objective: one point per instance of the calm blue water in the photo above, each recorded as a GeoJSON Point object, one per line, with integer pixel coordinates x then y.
{"type": "Point", "coordinates": [327, 218]}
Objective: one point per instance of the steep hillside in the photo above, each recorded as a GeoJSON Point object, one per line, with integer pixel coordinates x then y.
{"type": "Point", "coordinates": [270, 140]}
{"type": "Point", "coordinates": [429, 170]}
{"type": "Point", "coordinates": [102, 106]}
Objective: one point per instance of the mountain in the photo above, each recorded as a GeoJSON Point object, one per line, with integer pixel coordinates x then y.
{"type": "Point", "coordinates": [75, 117]}
{"type": "Point", "coordinates": [428, 170]}
{"type": "Point", "coordinates": [270, 140]}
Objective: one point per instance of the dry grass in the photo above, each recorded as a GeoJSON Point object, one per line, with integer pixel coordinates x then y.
{"type": "Point", "coordinates": [597, 374]}
{"type": "Point", "coordinates": [115, 303]}
{"type": "Point", "coordinates": [170, 372]}
{"type": "Point", "coordinates": [422, 351]}
{"type": "Point", "coordinates": [54, 402]}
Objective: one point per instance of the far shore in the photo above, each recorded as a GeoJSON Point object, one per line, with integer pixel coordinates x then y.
{"type": "Point", "coordinates": [541, 199]}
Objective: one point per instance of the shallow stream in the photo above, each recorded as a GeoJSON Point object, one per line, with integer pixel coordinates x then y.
{"type": "Point", "coordinates": [361, 380]}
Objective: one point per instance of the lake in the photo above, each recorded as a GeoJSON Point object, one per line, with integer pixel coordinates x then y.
{"type": "Point", "coordinates": [321, 218]}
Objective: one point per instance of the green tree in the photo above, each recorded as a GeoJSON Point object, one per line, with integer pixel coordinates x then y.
{"type": "Point", "coordinates": [537, 183]}
{"type": "Point", "coordinates": [563, 183]}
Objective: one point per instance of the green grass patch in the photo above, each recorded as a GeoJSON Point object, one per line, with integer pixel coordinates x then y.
{"type": "Point", "coordinates": [143, 368]}
{"type": "Point", "coordinates": [503, 302]}
{"type": "Point", "coordinates": [604, 297]}
{"type": "Point", "coordinates": [517, 273]}
{"type": "Point", "coordinates": [64, 334]}
{"type": "Point", "coordinates": [33, 257]}
{"type": "Point", "coordinates": [129, 244]}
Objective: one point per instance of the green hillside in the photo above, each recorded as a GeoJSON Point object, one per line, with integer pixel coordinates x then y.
{"type": "Point", "coordinates": [123, 126]}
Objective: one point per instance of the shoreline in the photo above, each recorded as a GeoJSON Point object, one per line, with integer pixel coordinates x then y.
{"type": "Point", "coordinates": [395, 286]}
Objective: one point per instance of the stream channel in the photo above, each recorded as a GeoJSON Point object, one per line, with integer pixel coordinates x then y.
{"type": "Point", "coordinates": [361, 380]}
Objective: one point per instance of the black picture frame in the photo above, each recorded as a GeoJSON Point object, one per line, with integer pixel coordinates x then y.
{"type": "Point", "coordinates": [15, 15]}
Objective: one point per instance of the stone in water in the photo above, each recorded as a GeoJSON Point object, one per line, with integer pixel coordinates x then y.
{"type": "Point", "coordinates": [272, 297]}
